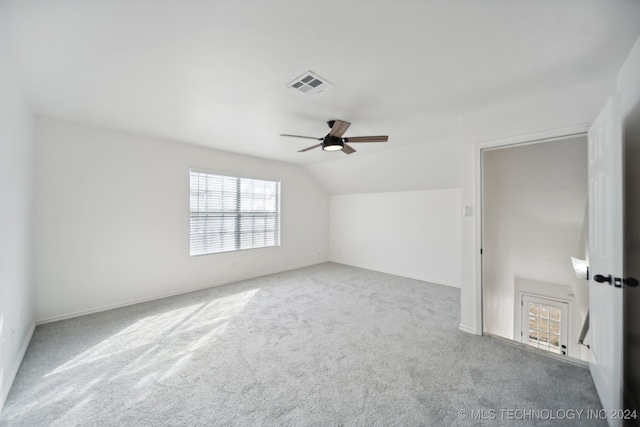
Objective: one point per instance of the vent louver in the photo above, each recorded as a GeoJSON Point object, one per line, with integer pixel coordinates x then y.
{"type": "Point", "coordinates": [309, 83]}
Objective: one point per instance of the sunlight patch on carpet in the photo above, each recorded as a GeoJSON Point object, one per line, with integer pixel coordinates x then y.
{"type": "Point", "coordinates": [149, 331]}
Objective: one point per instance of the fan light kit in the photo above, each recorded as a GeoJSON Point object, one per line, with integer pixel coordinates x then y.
{"type": "Point", "coordinates": [334, 141]}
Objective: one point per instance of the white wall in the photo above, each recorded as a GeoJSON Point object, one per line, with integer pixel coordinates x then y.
{"type": "Point", "coordinates": [498, 264]}
{"type": "Point", "coordinates": [546, 115]}
{"type": "Point", "coordinates": [397, 211]}
{"type": "Point", "coordinates": [16, 214]}
{"type": "Point", "coordinates": [413, 233]}
{"type": "Point", "coordinates": [113, 219]}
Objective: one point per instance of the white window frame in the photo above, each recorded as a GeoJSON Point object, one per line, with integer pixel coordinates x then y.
{"type": "Point", "coordinates": [564, 307]}
{"type": "Point", "coordinates": [201, 207]}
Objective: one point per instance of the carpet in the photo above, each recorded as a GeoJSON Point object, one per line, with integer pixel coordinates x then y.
{"type": "Point", "coordinates": [327, 345]}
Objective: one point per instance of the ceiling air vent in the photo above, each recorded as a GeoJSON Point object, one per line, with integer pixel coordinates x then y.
{"type": "Point", "coordinates": [309, 83]}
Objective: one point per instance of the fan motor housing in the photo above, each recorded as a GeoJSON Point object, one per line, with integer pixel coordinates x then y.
{"type": "Point", "coordinates": [332, 143]}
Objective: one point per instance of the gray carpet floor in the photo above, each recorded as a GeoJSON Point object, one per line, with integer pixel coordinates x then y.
{"type": "Point", "coordinates": [327, 345]}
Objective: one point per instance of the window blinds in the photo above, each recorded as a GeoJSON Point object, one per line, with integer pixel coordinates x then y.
{"type": "Point", "coordinates": [230, 213]}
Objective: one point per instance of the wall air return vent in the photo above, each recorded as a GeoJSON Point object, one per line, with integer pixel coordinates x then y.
{"type": "Point", "coordinates": [309, 83]}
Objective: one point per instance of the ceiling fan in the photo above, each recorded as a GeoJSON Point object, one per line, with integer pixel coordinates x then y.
{"type": "Point", "coordinates": [334, 141]}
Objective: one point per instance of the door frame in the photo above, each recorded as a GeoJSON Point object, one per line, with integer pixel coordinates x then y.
{"type": "Point", "coordinates": [478, 148]}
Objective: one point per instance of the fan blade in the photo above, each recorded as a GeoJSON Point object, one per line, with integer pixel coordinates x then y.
{"type": "Point", "coordinates": [310, 148]}
{"type": "Point", "coordinates": [379, 138]}
{"type": "Point", "coordinates": [339, 128]}
{"type": "Point", "coordinates": [348, 149]}
{"type": "Point", "coordinates": [300, 136]}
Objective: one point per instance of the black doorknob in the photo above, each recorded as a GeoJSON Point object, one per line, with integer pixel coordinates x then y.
{"type": "Point", "coordinates": [601, 279]}
{"type": "Point", "coordinates": [631, 281]}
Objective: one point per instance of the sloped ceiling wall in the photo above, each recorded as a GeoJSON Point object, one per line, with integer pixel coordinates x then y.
{"type": "Point", "coordinates": [431, 165]}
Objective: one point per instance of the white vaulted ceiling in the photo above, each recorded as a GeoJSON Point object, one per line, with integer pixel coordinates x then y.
{"type": "Point", "coordinates": [214, 73]}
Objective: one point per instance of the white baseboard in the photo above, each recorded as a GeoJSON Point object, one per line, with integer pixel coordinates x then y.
{"type": "Point", "coordinates": [568, 359]}
{"type": "Point", "coordinates": [395, 273]}
{"type": "Point", "coordinates": [167, 294]}
{"type": "Point", "coordinates": [11, 375]}
{"type": "Point", "coordinates": [468, 329]}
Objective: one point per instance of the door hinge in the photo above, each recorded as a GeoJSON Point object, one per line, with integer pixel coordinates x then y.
{"type": "Point", "coordinates": [480, 251]}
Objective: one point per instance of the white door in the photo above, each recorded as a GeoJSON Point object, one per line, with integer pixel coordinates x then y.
{"type": "Point", "coordinates": [544, 323]}
{"type": "Point", "coordinates": [606, 250]}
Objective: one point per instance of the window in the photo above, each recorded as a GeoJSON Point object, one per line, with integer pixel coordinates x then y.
{"type": "Point", "coordinates": [544, 323]}
{"type": "Point", "coordinates": [230, 213]}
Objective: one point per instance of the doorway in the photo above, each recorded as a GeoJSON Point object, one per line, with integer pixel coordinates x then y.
{"type": "Point", "coordinates": [534, 220]}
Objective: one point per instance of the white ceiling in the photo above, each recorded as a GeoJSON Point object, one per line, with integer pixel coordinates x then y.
{"type": "Point", "coordinates": [214, 73]}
